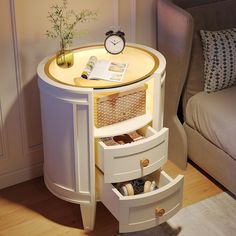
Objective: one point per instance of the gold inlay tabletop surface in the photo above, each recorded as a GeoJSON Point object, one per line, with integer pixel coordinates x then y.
{"type": "Point", "coordinates": [141, 64]}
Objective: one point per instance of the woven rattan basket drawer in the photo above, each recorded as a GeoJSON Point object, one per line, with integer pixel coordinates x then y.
{"type": "Point", "coordinates": [117, 107]}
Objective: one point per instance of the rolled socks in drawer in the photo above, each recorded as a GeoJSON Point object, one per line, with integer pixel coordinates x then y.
{"type": "Point", "coordinates": [137, 186]}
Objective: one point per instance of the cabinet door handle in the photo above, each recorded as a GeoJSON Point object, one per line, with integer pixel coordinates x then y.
{"type": "Point", "coordinates": [160, 211]}
{"type": "Point", "coordinates": [144, 163]}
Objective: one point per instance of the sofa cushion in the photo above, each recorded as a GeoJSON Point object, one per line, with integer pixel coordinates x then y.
{"type": "Point", "coordinates": [205, 19]}
{"type": "Point", "coordinates": [213, 116]}
{"type": "Point", "coordinates": [219, 50]}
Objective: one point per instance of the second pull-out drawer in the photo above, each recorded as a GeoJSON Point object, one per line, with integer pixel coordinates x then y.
{"type": "Point", "coordinates": [133, 160]}
{"type": "Point", "coordinates": [145, 210]}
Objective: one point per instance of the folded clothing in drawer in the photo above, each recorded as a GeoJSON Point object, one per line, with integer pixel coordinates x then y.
{"type": "Point", "coordinates": [122, 139]}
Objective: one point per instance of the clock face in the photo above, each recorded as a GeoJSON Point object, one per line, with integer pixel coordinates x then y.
{"type": "Point", "coordinates": [114, 44]}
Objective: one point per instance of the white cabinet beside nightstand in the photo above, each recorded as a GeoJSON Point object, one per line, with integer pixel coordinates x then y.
{"type": "Point", "coordinates": [79, 167]}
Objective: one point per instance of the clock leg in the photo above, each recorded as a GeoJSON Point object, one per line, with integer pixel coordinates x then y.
{"type": "Point", "coordinates": [88, 212]}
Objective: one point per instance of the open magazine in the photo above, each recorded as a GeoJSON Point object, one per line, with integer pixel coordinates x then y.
{"type": "Point", "coordinates": [104, 70]}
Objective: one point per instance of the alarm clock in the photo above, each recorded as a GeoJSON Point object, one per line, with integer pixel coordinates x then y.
{"type": "Point", "coordinates": [114, 42]}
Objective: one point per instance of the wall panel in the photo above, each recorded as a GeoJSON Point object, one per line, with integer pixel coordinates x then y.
{"type": "Point", "coordinates": [10, 129]}
{"type": "Point", "coordinates": [146, 22]}
{"type": "Point", "coordinates": [31, 25]}
{"type": "Point", "coordinates": [1, 134]}
{"type": "Point", "coordinates": [125, 18]}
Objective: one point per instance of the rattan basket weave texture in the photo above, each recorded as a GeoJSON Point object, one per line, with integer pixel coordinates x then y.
{"type": "Point", "coordinates": [121, 106]}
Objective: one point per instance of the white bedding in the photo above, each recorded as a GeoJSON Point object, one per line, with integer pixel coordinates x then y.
{"type": "Point", "coordinates": [214, 116]}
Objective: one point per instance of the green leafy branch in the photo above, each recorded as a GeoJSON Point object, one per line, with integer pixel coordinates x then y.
{"type": "Point", "coordinates": [64, 22]}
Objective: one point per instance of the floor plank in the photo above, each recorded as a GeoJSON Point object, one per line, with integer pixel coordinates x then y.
{"type": "Point", "coordinates": [30, 209]}
{"type": "Point", "coordinates": [197, 184]}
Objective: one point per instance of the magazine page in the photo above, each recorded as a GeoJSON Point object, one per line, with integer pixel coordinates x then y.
{"type": "Point", "coordinates": [99, 71]}
{"type": "Point", "coordinates": [116, 71]}
{"type": "Point", "coordinates": [104, 70]}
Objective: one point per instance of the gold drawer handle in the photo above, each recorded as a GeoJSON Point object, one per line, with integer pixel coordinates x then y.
{"type": "Point", "coordinates": [144, 163]}
{"type": "Point", "coordinates": [160, 211]}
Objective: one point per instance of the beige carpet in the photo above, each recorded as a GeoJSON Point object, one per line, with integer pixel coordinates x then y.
{"type": "Point", "coordinates": [215, 216]}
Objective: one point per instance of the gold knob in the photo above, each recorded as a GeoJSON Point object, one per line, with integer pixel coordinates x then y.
{"type": "Point", "coordinates": [160, 211]}
{"type": "Point", "coordinates": [144, 163]}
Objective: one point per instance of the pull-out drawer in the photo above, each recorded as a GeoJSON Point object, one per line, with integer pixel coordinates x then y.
{"type": "Point", "coordinates": [133, 160]}
{"type": "Point", "coordinates": [147, 210]}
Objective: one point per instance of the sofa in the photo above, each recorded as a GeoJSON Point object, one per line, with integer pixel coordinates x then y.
{"type": "Point", "coordinates": [201, 122]}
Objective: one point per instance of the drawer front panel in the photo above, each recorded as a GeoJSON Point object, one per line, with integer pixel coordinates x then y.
{"type": "Point", "coordinates": [129, 161]}
{"type": "Point", "coordinates": [143, 211]}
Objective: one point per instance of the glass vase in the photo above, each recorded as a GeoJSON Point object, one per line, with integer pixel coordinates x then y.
{"type": "Point", "coordinates": [65, 58]}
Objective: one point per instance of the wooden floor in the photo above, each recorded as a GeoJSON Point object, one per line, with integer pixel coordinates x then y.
{"type": "Point", "coordinates": [197, 184]}
{"type": "Point", "coordinates": [29, 209]}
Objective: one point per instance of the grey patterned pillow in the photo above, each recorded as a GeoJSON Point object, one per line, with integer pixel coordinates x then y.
{"type": "Point", "coordinates": [219, 50]}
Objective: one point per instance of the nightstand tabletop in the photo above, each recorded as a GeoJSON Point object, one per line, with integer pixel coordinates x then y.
{"type": "Point", "coordinates": [142, 63]}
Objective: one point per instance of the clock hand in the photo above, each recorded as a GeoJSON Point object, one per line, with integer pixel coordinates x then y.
{"type": "Point", "coordinates": [117, 42]}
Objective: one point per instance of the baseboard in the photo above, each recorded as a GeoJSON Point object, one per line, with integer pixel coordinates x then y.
{"type": "Point", "coordinates": [21, 175]}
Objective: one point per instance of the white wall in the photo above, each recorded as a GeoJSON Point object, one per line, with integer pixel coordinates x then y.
{"type": "Point", "coordinates": [23, 45]}
{"type": "Point", "coordinates": [146, 22]}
